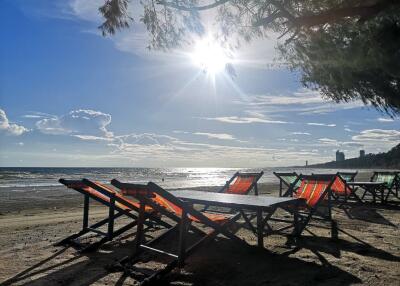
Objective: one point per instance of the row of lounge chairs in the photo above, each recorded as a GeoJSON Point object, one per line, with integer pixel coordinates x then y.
{"type": "Point", "coordinates": [151, 204]}
{"type": "Point", "coordinates": [344, 186]}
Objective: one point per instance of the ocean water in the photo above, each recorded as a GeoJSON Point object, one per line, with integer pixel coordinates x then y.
{"type": "Point", "coordinates": [171, 178]}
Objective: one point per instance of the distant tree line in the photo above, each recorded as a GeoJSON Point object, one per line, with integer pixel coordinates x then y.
{"type": "Point", "coordinates": [388, 160]}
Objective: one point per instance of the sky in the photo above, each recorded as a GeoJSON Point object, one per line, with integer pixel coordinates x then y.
{"type": "Point", "coordinates": [71, 97]}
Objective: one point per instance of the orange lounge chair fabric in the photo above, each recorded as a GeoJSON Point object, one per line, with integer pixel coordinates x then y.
{"type": "Point", "coordinates": [172, 208]}
{"type": "Point", "coordinates": [241, 185]}
{"type": "Point", "coordinates": [312, 191]}
{"type": "Point", "coordinates": [339, 187]}
{"type": "Point", "coordinates": [105, 198]}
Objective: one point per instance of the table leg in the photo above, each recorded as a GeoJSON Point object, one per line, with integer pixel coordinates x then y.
{"type": "Point", "coordinates": [296, 219]}
{"type": "Point", "coordinates": [260, 229]}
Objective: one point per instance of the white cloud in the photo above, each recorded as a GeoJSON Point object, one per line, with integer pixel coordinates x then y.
{"type": "Point", "coordinates": [77, 122]}
{"type": "Point", "coordinates": [20, 144]}
{"type": "Point", "coordinates": [93, 138]}
{"type": "Point", "coordinates": [244, 120]}
{"type": "Point", "coordinates": [321, 124]}
{"type": "Point", "coordinates": [303, 101]}
{"type": "Point", "coordinates": [378, 135]}
{"type": "Point", "coordinates": [147, 139]}
{"type": "Point", "coordinates": [381, 119]}
{"type": "Point", "coordinates": [301, 133]}
{"type": "Point", "coordinates": [328, 141]}
{"type": "Point", "coordinates": [301, 96]}
{"type": "Point", "coordinates": [221, 136]}
{"type": "Point", "coordinates": [10, 128]}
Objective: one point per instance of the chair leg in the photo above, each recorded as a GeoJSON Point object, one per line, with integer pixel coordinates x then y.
{"type": "Point", "coordinates": [140, 224]}
{"type": "Point", "coordinates": [110, 232]}
{"type": "Point", "coordinates": [85, 212]}
{"type": "Point", "coordinates": [182, 239]}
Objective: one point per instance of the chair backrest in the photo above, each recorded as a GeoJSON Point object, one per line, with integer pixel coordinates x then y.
{"type": "Point", "coordinates": [348, 176]}
{"type": "Point", "coordinates": [389, 178]}
{"type": "Point", "coordinates": [241, 183]}
{"type": "Point", "coordinates": [340, 187]}
{"type": "Point", "coordinates": [314, 188]}
{"type": "Point", "coordinates": [83, 188]}
{"type": "Point", "coordinates": [288, 178]}
{"type": "Point", "coordinates": [143, 192]}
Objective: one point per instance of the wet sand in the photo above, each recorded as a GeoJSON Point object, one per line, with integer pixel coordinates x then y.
{"type": "Point", "coordinates": [366, 253]}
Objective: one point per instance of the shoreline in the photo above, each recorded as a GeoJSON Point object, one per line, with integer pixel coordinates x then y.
{"type": "Point", "coordinates": [367, 252]}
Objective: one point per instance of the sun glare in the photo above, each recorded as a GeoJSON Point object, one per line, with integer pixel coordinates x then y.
{"type": "Point", "coordinates": [209, 56]}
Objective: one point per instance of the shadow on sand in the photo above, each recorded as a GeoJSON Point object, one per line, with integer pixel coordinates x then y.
{"type": "Point", "coordinates": [219, 263]}
{"type": "Point", "coordinates": [334, 247]}
{"type": "Point", "coordinates": [369, 213]}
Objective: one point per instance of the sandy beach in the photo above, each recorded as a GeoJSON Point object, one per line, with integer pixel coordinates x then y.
{"type": "Point", "coordinates": [366, 253]}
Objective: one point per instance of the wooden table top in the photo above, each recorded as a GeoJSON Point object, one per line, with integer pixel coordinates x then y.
{"type": "Point", "coordinates": [233, 200]}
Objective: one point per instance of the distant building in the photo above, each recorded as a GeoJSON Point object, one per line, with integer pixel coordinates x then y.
{"type": "Point", "coordinates": [362, 153]}
{"type": "Point", "coordinates": [306, 163]}
{"type": "Point", "coordinates": [339, 156]}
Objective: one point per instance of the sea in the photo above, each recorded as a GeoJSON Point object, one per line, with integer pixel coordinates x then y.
{"type": "Point", "coordinates": [170, 178]}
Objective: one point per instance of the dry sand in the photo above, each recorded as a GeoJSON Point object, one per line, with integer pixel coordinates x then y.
{"type": "Point", "coordinates": [367, 251]}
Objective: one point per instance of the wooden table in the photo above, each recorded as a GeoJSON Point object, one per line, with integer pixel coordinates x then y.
{"type": "Point", "coordinates": [257, 204]}
{"type": "Point", "coordinates": [372, 188]}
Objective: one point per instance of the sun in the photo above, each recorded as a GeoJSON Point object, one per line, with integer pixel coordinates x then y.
{"type": "Point", "coordinates": [209, 56]}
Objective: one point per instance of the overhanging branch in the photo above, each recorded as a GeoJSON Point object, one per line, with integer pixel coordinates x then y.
{"type": "Point", "coordinates": [192, 8]}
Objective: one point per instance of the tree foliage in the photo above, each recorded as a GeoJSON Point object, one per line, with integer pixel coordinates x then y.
{"type": "Point", "coordinates": [348, 49]}
{"type": "Point", "coordinates": [390, 160]}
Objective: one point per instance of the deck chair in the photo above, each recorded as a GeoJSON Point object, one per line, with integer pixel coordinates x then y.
{"type": "Point", "coordinates": [348, 176]}
{"type": "Point", "coordinates": [241, 183]}
{"type": "Point", "coordinates": [287, 182]}
{"type": "Point", "coordinates": [170, 206]}
{"type": "Point", "coordinates": [391, 180]}
{"type": "Point", "coordinates": [316, 190]}
{"type": "Point", "coordinates": [117, 205]}
{"type": "Point", "coordinates": [341, 192]}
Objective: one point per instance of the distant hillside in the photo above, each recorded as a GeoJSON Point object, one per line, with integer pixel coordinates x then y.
{"type": "Point", "coordinates": [388, 160]}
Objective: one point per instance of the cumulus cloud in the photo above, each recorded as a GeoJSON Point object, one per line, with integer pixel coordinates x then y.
{"type": "Point", "coordinates": [221, 136]}
{"type": "Point", "coordinates": [77, 122]}
{"type": "Point", "coordinates": [10, 128]}
{"type": "Point", "coordinates": [321, 124]}
{"type": "Point", "coordinates": [147, 139]}
{"type": "Point", "coordinates": [244, 120]}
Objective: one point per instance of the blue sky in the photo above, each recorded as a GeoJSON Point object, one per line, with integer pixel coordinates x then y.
{"type": "Point", "coordinates": [70, 97]}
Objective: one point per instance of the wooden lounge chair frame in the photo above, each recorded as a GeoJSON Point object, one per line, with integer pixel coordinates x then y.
{"type": "Point", "coordinates": [225, 188]}
{"type": "Point", "coordinates": [350, 193]}
{"type": "Point", "coordinates": [114, 204]}
{"type": "Point", "coordinates": [348, 176]}
{"type": "Point", "coordinates": [312, 212]}
{"type": "Point", "coordinates": [184, 224]}
{"type": "Point", "coordinates": [283, 182]}
{"type": "Point", "coordinates": [254, 186]}
{"type": "Point", "coordinates": [393, 188]}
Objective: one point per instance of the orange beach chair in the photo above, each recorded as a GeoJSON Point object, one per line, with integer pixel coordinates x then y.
{"type": "Point", "coordinates": [316, 190]}
{"type": "Point", "coordinates": [117, 204]}
{"type": "Point", "coordinates": [170, 206]}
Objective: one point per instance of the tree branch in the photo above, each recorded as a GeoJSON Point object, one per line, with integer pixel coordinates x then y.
{"type": "Point", "coordinates": [195, 8]}
{"type": "Point", "coordinates": [329, 16]}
